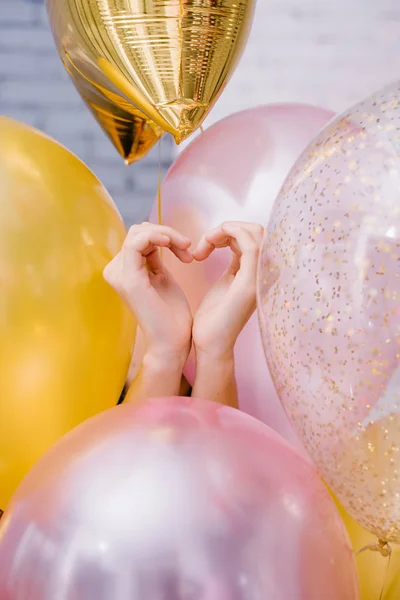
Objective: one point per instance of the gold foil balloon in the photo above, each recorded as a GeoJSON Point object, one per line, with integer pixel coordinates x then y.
{"type": "Point", "coordinates": [130, 131]}
{"type": "Point", "coordinates": [65, 336]}
{"type": "Point", "coordinates": [329, 307]}
{"type": "Point", "coordinates": [144, 67]}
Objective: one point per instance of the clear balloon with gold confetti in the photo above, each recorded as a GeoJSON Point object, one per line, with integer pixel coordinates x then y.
{"type": "Point", "coordinates": [329, 307]}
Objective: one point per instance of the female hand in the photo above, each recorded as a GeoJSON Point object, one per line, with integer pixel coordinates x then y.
{"type": "Point", "coordinates": [231, 301]}
{"type": "Point", "coordinates": [156, 300]}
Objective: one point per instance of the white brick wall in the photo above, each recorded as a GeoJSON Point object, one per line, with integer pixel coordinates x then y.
{"type": "Point", "coordinates": [326, 52]}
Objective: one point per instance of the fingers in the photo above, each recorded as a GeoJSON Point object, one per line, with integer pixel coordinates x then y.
{"type": "Point", "coordinates": [178, 243]}
{"type": "Point", "coordinates": [140, 248]}
{"type": "Point", "coordinates": [249, 253]}
{"type": "Point", "coordinates": [249, 248]}
{"type": "Point", "coordinates": [217, 238]}
{"type": "Point", "coordinates": [234, 264]}
{"type": "Point", "coordinates": [136, 251]}
{"type": "Point", "coordinates": [143, 240]}
{"type": "Point", "coordinates": [254, 228]}
{"type": "Point", "coordinates": [242, 238]}
{"type": "Point", "coordinates": [178, 240]}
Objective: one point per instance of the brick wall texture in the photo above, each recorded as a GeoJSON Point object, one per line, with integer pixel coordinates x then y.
{"type": "Point", "coordinates": [330, 53]}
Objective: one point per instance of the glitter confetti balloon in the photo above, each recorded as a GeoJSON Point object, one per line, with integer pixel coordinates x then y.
{"type": "Point", "coordinates": [176, 499]}
{"type": "Point", "coordinates": [328, 297]}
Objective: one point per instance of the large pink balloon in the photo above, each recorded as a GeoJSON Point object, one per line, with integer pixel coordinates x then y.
{"type": "Point", "coordinates": [179, 498]}
{"type": "Point", "coordinates": [234, 172]}
{"type": "Point", "coordinates": [329, 306]}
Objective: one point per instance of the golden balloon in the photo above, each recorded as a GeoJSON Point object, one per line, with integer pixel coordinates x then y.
{"type": "Point", "coordinates": [148, 67]}
{"type": "Point", "coordinates": [66, 337]}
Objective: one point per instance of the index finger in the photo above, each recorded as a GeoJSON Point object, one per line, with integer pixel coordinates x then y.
{"type": "Point", "coordinates": [177, 239]}
{"type": "Point", "coordinates": [249, 249]}
{"type": "Point", "coordinates": [217, 238]}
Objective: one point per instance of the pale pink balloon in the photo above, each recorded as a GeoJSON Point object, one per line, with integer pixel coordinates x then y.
{"type": "Point", "coordinates": [176, 499]}
{"type": "Point", "coordinates": [329, 306]}
{"type": "Point", "coordinates": [234, 171]}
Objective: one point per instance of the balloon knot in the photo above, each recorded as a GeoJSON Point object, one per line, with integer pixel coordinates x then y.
{"type": "Point", "coordinates": [382, 547]}
{"type": "Point", "coordinates": [1, 513]}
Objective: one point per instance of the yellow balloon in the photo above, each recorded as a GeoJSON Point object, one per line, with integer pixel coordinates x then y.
{"type": "Point", "coordinates": [65, 336]}
{"type": "Point", "coordinates": [377, 575]}
{"type": "Point", "coordinates": [148, 66]}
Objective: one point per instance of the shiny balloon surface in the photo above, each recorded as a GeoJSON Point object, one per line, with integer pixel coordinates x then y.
{"type": "Point", "coordinates": [329, 291]}
{"type": "Point", "coordinates": [148, 67]}
{"type": "Point", "coordinates": [65, 336]}
{"type": "Point", "coordinates": [178, 498]}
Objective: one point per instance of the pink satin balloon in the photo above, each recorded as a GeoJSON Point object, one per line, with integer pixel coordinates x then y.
{"type": "Point", "coordinates": [329, 291]}
{"type": "Point", "coordinates": [233, 172]}
{"type": "Point", "coordinates": [175, 499]}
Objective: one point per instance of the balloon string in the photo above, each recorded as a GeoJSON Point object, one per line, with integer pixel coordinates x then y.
{"type": "Point", "coordinates": [386, 577]}
{"type": "Point", "coordinates": [384, 550]}
{"type": "Point", "coordinates": [159, 200]}
{"type": "Point", "coordinates": [382, 547]}
{"type": "Point", "coordinates": [201, 129]}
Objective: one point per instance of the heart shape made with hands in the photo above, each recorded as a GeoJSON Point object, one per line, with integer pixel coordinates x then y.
{"type": "Point", "coordinates": [233, 172]}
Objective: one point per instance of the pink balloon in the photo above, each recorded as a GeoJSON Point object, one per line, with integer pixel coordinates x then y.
{"type": "Point", "coordinates": [234, 171]}
{"type": "Point", "coordinates": [329, 292]}
{"type": "Point", "coordinates": [176, 499]}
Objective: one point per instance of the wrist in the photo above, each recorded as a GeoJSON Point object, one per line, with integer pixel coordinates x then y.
{"type": "Point", "coordinates": [214, 354]}
{"type": "Point", "coordinates": [215, 378]}
{"type": "Point", "coordinates": [165, 360]}
{"type": "Point", "coordinates": [160, 375]}
{"type": "Point", "coordinates": [214, 360]}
